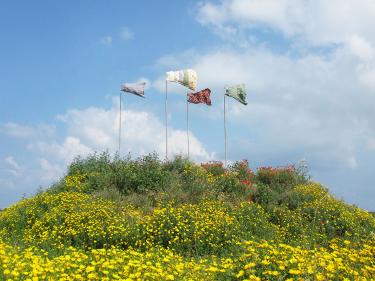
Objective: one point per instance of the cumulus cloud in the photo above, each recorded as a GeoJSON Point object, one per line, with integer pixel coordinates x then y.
{"type": "Point", "coordinates": [63, 152]}
{"type": "Point", "coordinates": [145, 80]}
{"type": "Point", "coordinates": [126, 33]}
{"type": "Point", "coordinates": [49, 172]}
{"type": "Point", "coordinates": [371, 143]}
{"type": "Point", "coordinates": [319, 103]}
{"type": "Point", "coordinates": [12, 166]}
{"type": "Point", "coordinates": [314, 105]}
{"type": "Point", "coordinates": [27, 132]}
{"type": "Point", "coordinates": [360, 47]}
{"type": "Point", "coordinates": [89, 130]}
{"type": "Point", "coordinates": [313, 97]}
{"type": "Point", "coordinates": [142, 132]}
{"type": "Point", "coordinates": [106, 40]}
{"type": "Point", "coordinates": [5, 184]}
{"type": "Point", "coordinates": [317, 21]}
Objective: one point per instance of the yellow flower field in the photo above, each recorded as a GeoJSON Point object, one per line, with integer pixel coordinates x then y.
{"type": "Point", "coordinates": [259, 261]}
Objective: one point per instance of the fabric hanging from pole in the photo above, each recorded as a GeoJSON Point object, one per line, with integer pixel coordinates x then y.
{"type": "Point", "coordinates": [119, 125]}
{"type": "Point", "coordinates": [238, 92]}
{"type": "Point", "coordinates": [202, 96]}
{"type": "Point", "coordinates": [186, 77]}
{"type": "Point", "coordinates": [166, 121]}
{"type": "Point", "coordinates": [225, 137]}
{"type": "Point", "coordinates": [134, 88]}
{"type": "Point", "coordinates": [187, 128]}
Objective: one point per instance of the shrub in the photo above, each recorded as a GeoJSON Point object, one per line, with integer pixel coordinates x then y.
{"type": "Point", "coordinates": [215, 168]}
{"type": "Point", "coordinates": [255, 222]}
{"type": "Point", "coordinates": [284, 176]}
{"type": "Point", "coordinates": [335, 219]}
{"type": "Point", "coordinates": [242, 170]}
{"type": "Point", "coordinates": [177, 165]}
{"type": "Point", "coordinates": [293, 229]}
{"type": "Point", "coordinates": [304, 193]}
{"type": "Point", "coordinates": [229, 183]}
{"type": "Point", "coordinates": [100, 172]}
{"type": "Point", "coordinates": [70, 219]}
{"type": "Point", "coordinates": [141, 176]}
{"type": "Point", "coordinates": [94, 163]}
{"type": "Point", "coordinates": [209, 227]}
{"type": "Point", "coordinates": [265, 195]}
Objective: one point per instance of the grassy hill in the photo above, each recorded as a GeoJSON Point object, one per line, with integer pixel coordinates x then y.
{"type": "Point", "coordinates": [122, 219]}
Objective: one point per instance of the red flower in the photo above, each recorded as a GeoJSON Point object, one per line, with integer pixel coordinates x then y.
{"type": "Point", "coordinates": [248, 183]}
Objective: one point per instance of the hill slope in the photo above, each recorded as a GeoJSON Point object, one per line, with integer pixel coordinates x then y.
{"type": "Point", "coordinates": [121, 219]}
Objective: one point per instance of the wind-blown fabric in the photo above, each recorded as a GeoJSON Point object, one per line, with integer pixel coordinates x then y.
{"type": "Point", "coordinates": [237, 92]}
{"type": "Point", "coordinates": [186, 77]}
{"type": "Point", "coordinates": [202, 96]}
{"type": "Point", "coordinates": [134, 88]}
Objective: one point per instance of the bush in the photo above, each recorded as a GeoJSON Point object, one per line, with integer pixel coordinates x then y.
{"type": "Point", "coordinates": [242, 170]}
{"type": "Point", "coordinates": [71, 219]}
{"type": "Point", "coordinates": [255, 222]}
{"type": "Point", "coordinates": [94, 163]}
{"type": "Point", "coordinates": [293, 229]}
{"type": "Point", "coordinates": [177, 165]}
{"type": "Point", "coordinates": [304, 193]}
{"type": "Point", "coordinates": [141, 176]}
{"type": "Point", "coordinates": [207, 228]}
{"type": "Point", "coordinates": [335, 219]}
{"type": "Point", "coordinates": [100, 172]}
{"type": "Point", "coordinates": [215, 168]}
{"type": "Point", "coordinates": [284, 176]}
{"type": "Point", "coordinates": [265, 195]}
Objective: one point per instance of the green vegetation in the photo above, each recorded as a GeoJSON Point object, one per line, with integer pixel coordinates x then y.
{"type": "Point", "coordinates": [113, 218]}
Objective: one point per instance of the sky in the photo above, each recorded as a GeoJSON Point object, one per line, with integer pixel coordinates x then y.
{"type": "Point", "coordinates": [308, 67]}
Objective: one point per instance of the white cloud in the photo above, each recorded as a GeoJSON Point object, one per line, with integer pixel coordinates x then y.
{"type": "Point", "coordinates": [360, 47]}
{"type": "Point", "coordinates": [352, 162]}
{"type": "Point", "coordinates": [16, 130]}
{"type": "Point", "coordinates": [172, 88]}
{"type": "Point", "coordinates": [106, 40]}
{"type": "Point", "coordinates": [367, 76]}
{"type": "Point", "coordinates": [49, 172]}
{"type": "Point", "coordinates": [146, 80]}
{"type": "Point", "coordinates": [6, 184]}
{"type": "Point", "coordinates": [316, 21]}
{"type": "Point", "coordinates": [371, 143]}
{"type": "Point", "coordinates": [312, 104]}
{"type": "Point", "coordinates": [89, 130]}
{"type": "Point", "coordinates": [64, 152]}
{"type": "Point", "coordinates": [126, 33]}
{"type": "Point", "coordinates": [13, 167]}
{"type": "Point", "coordinates": [142, 132]}
{"type": "Point", "coordinates": [316, 104]}
{"type": "Point", "coordinates": [27, 132]}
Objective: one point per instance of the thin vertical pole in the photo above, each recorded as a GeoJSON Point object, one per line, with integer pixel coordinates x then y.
{"type": "Point", "coordinates": [119, 128]}
{"type": "Point", "coordinates": [166, 121]}
{"type": "Point", "coordinates": [187, 128]}
{"type": "Point", "coordinates": [225, 136]}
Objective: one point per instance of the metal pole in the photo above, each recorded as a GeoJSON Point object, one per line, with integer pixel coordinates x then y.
{"type": "Point", "coordinates": [187, 127]}
{"type": "Point", "coordinates": [166, 121]}
{"type": "Point", "coordinates": [225, 136]}
{"type": "Point", "coordinates": [119, 129]}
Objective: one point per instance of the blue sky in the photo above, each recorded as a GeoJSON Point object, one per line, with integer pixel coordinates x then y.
{"type": "Point", "coordinates": [309, 68]}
